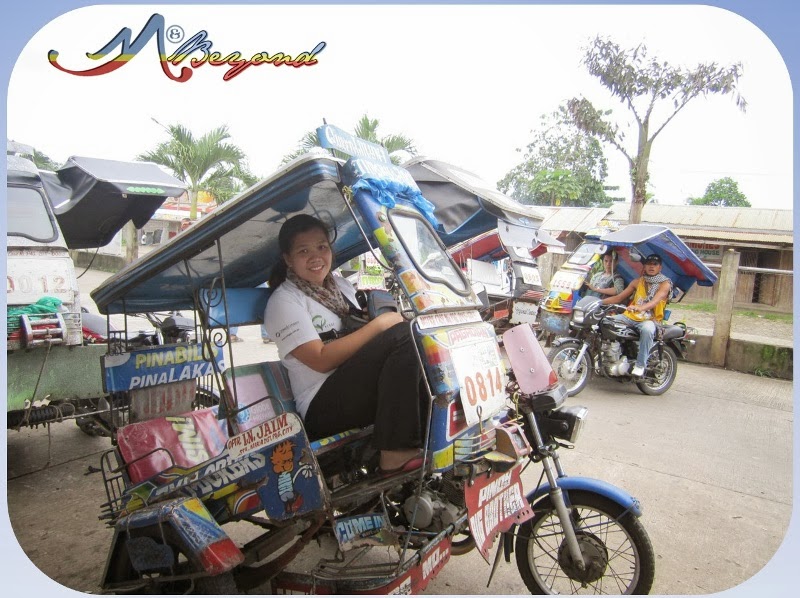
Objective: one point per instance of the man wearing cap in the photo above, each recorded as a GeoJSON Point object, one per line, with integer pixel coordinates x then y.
{"type": "Point", "coordinates": [650, 294]}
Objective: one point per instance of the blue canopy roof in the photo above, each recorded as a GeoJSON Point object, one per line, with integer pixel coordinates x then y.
{"type": "Point", "coordinates": [679, 262]}
{"type": "Point", "coordinates": [240, 239]}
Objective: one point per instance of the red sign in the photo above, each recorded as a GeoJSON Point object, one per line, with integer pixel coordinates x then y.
{"type": "Point", "coordinates": [495, 503]}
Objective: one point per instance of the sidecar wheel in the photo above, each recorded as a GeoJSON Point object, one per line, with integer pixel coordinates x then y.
{"type": "Point", "coordinates": [616, 548]}
{"type": "Point", "coordinates": [562, 357]}
{"type": "Point", "coordinates": [660, 374]}
{"type": "Point", "coordinates": [122, 578]}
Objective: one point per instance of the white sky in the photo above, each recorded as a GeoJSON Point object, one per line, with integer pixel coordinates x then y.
{"type": "Point", "coordinates": [467, 83]}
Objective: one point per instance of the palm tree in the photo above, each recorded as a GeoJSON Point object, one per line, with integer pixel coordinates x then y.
{"type": "Point", "coordinates": [206, 163]}
{"type": "Point", "coordinates": [366, 128]}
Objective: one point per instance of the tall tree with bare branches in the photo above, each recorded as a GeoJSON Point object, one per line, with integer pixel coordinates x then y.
{"type": "Point", "coordinates": [645, 86]}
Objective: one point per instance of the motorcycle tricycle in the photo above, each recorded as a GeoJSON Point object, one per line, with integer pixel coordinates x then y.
{"type": "Point", "coordinates": [603, 346]}
{"type": "Point", "coordinates": [596, 343]}
{"type": "Point", "coordinates": [181, 484]}
{"type": "Point", "coordinates": [52, 352]}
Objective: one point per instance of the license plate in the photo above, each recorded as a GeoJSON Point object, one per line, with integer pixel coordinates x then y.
{"type": "Point", "coordinates": [481, 378]}
{"type": "Point", "coordinates": [531, 276]}
{"type": "Point", "coordinates": [524, 313]}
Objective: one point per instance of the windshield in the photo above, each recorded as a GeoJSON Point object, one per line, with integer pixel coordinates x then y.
{"type": "Point", "coordinates": [428, 255]}
{"type": "Point", "coordinates": [583, 254]}
{"type": "Point", "coordinates": [27, 215]}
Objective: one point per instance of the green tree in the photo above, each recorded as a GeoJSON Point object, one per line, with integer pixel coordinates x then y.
{"type": "Point", "coordinates": [206, 163]}
{"type": "Point", "coordinates": [555, 187]}
{"type": "Point", "coordinates": [366, 128]}
{"type": "Point", "coordinates": [644, 85]}
{"type": "Point", "coordinates": [559, 146]}
{"type": "Point", "coordinates": [722, 192]}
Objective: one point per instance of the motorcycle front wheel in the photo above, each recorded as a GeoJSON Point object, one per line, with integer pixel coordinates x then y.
{"type": "Point", "coordinates": [660, 373]}
{"type": "Point", "coordinates": [562, 359]}
{"type": "Point", "coordinates": [617, 551]}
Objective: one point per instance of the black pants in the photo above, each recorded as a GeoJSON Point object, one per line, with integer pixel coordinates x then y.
{"type": "Point", "coordinates": [382, 385]}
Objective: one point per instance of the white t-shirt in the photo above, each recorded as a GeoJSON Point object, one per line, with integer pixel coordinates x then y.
{"type": "Point", "coordinates": [292, 318]}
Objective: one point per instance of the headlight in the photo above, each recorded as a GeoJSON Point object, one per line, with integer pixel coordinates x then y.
{"type": "Point", "coordinates": [578, 316]}
{"type": "Point", "coordinates": [566, 423]}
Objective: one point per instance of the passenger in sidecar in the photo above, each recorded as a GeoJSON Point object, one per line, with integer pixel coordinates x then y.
{"type": "Point", "coordinates": [357, 378]}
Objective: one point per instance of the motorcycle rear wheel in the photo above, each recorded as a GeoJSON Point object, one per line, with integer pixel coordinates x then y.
{"type": "Point", "coordinates": [660, 372]}
{"type": "Point", "coordinates": [616, 548]}
{"type": "Point", "coordinates": [562, 357]}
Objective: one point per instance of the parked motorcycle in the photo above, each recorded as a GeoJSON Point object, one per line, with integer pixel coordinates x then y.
{"type": "Point", "coordinates": [601, 345]}
{"type": "Point", "coordinates": [175, 480]}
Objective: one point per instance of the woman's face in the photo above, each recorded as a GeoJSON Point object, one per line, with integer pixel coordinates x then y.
{"type": "Point", "coordinates": [310, 256]}
{"type": "Point", "coordinates": [607, 262]}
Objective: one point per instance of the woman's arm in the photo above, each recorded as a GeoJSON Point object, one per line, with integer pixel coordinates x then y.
{"type": "Point", "coordinates": [607, 291]}
{"type": "Point", "coordinates": [322, 357]}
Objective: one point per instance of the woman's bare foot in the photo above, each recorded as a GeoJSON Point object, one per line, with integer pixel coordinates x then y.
{"type": "Point", "coordinates": [391, 460]}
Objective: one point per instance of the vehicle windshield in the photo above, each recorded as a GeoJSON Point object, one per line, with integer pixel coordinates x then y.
{"type": "Point", "coordinates": [583, 254]}
{"type": "Point", "coordinates": [429, 257]}
{"type": "Point", "coordinates": [27, 215]}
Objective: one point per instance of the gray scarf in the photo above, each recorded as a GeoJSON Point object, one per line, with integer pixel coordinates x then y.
{"type": "Point", "coordinates": [328, 295]}
{"type": "Point", "coordinates": [653, 282]}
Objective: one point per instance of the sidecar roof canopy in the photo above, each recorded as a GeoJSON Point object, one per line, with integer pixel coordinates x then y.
{"type": "Point", "coordinates": [93, 198]}
{"type": "Point", "coordinates": [466, 205]}
{"type": "Point", "coordinates": [679, 262]}
{"type": "Point", "coordinates": [240, 239]}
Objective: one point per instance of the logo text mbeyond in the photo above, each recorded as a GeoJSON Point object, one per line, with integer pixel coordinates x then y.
{"type": "Point", "coordinates": [190, 55]}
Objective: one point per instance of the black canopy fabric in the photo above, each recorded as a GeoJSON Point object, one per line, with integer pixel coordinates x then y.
{"type": "Point", "coordinates": [93, 198]}
{"type": "Point", "coordinates": [466, 206]}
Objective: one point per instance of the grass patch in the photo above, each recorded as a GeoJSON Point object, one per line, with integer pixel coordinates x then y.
{"type": "Point", "coordinates": [708, 306]}
{"type": "Point", "coordinates": [765, 315]}
{"type": "Point", "coordinates": [711, 307]}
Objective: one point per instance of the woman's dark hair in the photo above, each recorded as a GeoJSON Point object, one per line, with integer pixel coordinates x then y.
{"type": "Point", "coordinates": [302, 223]}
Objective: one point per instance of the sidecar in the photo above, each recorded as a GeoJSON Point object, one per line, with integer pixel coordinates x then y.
{"type": "Point", "coordinates": [503, 262]}
{"type": "Point", "coordinates": [631, 244]}
{"type": "Point", "coordinates": [182, 471]}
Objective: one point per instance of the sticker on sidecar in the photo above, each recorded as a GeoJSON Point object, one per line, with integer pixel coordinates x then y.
{"type": "Point", "coordinates": [494, 504]}
{"type": "Point", "coordinates": [264, 434]}
{"type": "Point", "coordinates": [282, 466]}
{"type": "Point", "coordinates": [372, 529]}
{"type": "Point", "coordinates": [153, 366]}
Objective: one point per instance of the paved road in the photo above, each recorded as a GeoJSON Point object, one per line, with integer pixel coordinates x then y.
{"type": "Point", "coordinates": [711, 463]}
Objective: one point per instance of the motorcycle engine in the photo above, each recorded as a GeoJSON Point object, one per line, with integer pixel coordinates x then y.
{"type": "Point", "coordinates": [614, 362]}
{"type": "Point", "coordinates": [430, 511]}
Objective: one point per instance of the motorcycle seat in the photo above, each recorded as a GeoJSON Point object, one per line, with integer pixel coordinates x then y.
{"type": "Point", "coordinates": [673, 331]}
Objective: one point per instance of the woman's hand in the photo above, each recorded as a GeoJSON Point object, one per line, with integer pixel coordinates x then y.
{"type": "Point", "coordinates": [387, 320]}
{"type": "Point", "coordinates": [326, 357]}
